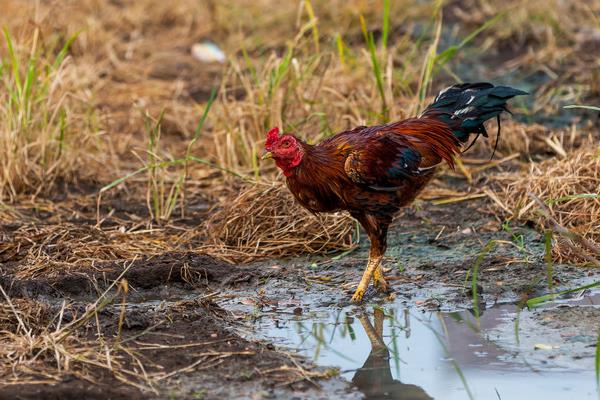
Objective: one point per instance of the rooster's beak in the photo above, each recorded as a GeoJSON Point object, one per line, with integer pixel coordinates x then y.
{"type": "Point", "coordinates": [267, 155]}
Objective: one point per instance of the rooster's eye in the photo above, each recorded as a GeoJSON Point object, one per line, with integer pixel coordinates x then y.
{"type": "Point", "coordinates": [286, 144]}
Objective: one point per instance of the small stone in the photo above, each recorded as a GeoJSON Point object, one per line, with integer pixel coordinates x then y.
{"type": "Point", "coordinates": [542, 346]}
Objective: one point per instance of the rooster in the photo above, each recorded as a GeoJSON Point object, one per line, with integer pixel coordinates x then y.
{"type": "Point", "coordinates": [372, 172]}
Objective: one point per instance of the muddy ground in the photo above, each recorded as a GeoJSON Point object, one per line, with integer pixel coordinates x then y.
{"type": "Point", "coordinates": [194, 319]}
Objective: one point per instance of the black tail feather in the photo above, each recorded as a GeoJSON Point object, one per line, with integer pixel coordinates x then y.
{"type": "Point", "coordinates": [466, 107]}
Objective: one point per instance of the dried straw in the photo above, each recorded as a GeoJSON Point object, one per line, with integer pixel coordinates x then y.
{"type": "Point", "coordinates": [570, 188]}
{"type": "Point", "coordinates": [263, 220]}
{"type": "Point", "coordinates": [36, 250]}
{"type": "Point", "coordinates": [537, 142]}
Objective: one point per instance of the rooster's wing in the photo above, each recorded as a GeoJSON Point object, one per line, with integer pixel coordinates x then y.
{"type": "Point", "coordinates": [389, 155]}
{"type": "Point", "coordinates": [384, 163]}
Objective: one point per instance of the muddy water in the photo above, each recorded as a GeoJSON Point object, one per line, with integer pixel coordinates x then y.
{"type": "Point", "coordinates": [392, 351]}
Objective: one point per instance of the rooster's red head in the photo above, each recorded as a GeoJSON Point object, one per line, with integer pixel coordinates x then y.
{"type": "Point", "coordinates": [286, 150]}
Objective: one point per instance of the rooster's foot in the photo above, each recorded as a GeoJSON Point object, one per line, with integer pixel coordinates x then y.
{"type": "Point", "coordinates": [379, 281]}
{"type": "Point", "coordinates": [358, 295]}
{"type": "Point", "coordinates": [382, 285]}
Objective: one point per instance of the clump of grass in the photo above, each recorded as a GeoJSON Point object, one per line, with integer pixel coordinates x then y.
{"type": "Point", "coordinates": [569, 190]}
{"type": "Point", "coordinates": [264, 221]}
{"type": "Point", "coordinates": [537, 142]}
{"type": "Point", "coordinates": [164, 187]}
{"type": "Point", "coordinates": [37, 347]}
{"type": "Point", "coordinates": [38, 140]}
{"type": "Point", "coordinates": [58, 249]}
{"type": "Point", "coordinates": [162, 194]}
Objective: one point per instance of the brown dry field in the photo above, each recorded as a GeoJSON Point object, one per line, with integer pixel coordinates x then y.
{"type": "Point", "coordinates": [115, 190]}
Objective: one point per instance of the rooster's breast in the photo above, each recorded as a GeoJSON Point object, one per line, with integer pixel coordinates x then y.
{"type": "Point", "coordinates": [316, 196]}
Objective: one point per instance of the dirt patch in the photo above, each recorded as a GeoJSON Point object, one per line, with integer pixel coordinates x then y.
{"type": "Point", "coordinates": [586, 319]}
{"type": "Point", "coordinates": [70, 390]}
{"type": "Point", "coordinates": [181, 269]}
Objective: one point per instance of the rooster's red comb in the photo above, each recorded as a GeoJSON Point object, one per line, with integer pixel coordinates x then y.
{"type": "Point", "coordinates": [272, 137]}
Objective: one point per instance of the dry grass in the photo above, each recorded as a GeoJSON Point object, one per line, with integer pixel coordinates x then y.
{"type": "Point", "coordinates": [38, 347]}
{"type": "Point", "coordinates": [568, 187]}
{"type": "Point", "coordinates": [556, 40]}
{"type": "Point", "coordinates": [57, 250]}
{"type": "Point", "coordinates": [536, 142]}
{"type": "Point", "coordinates": [264, 221]}
{"type": "Point", "coordinates": [131, 58]}
{"type": "Point", "coordinates": [44, 123]}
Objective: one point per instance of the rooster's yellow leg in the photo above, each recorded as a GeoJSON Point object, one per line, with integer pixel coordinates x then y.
{"type": "Point", "coordinates": [374, 333]}
{"type": "Point", "coordinates": [366, 278]}
{"type": "Point", "coordinates": [378, 317]}
{"type": "Point", "coordinates": [379, 280]}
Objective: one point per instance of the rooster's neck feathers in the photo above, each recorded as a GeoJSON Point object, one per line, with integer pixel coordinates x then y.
{"type": "Point", "coordinates": [318, 160]}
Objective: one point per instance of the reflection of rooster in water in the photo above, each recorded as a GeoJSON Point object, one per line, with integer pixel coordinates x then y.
{"type": "Point", "coordinates": [375, 379]}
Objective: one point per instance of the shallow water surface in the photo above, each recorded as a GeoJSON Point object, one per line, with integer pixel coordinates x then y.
{"type": "Point", "coordinates": [402, 353]}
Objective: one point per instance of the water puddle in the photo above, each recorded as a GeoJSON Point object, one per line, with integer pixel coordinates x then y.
{"type": "Point", "coordinates": [405, 353]}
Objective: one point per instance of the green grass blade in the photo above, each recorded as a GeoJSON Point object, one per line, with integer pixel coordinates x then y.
{"type": "Point", "coordinates": [62, 121]}
{"type": "Point", "coordinates": [370, 40]}
{"type": "Point", "coordinates": [386, 24]}
{"type": "Point", "coordinates": [122, 179]}
{"type": "Point", "coordinates": [64, 50]}
{"type": "Point", "coordinates": [573, 197]}
{"type": "Point", "coordinates": [315, 29]}
{"type": "Point", "coordinates": [429, 62]}
{"type": "Point", "coordinates": [475, 275]}
{"type": "Point", "coordinates": [26, 101]}
{"type": "Point", "coordinates": [593, 108]}
{"type": "Point", "coordinates": [200, 125]}
{"type": "Point", "coordinates": [173, 197]}
{"type": "Point", "coordinates": [255, 166]}
{"type": "Point", "coordinates": [13, 59]}
{"type": "Point", "coordinates": [548, 258]}
{"type": "Point", "coordinates": [340, 49]}
{"type": "Point", "coordinates": [250, 66]}
{"type": "Point", "coordinates": [447, 55]}
{"type": "Point", "coordinates": [280, 72]}
{"type": "Point", "coordinates": [598, 362]}
{"type": "Point", "coordinates": [536, 301]}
